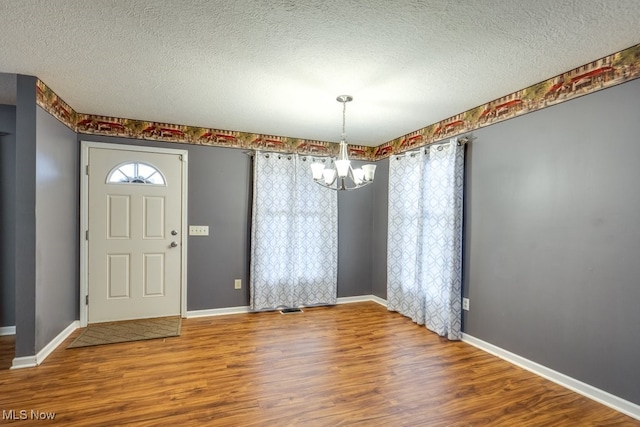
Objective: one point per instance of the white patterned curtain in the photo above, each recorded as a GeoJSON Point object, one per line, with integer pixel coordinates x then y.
{"type": "Point", "coordinates": [424, 242]}
{"type": "Point", "coordinates": [294, 235]}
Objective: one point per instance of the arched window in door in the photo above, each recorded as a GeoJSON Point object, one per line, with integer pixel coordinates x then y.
{"type": "Point", "coordinates": [136, 173]}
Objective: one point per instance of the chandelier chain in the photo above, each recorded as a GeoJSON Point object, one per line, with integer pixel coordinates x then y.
{"type": "Point", "coordinates": [344, 115]}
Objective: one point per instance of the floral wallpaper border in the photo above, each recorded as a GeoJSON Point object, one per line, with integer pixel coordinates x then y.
{"type": "Point", "coordinates": [182, 134]}
{"type": "Point", "coordinates": [600, 74]}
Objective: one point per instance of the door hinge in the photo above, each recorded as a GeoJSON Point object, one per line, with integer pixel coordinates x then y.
{"type": "Point", "coordinates": [86, 169]}
{"type": "Point", "coordinates": [86, 300]}
{"type": "Point", "coordinates": [86, 235]}
{"type": "Point", "coordinates": [180, 157]}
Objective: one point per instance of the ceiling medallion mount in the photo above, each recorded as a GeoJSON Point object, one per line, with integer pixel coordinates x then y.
{"type": "Point", "coordinates": [339, 169]}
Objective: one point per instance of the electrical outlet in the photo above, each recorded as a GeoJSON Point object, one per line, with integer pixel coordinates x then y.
{"type": "Point", "coordinates": [465, 304]}
{"type": "Point", "coordinates": [237, 284]}
{"type": "Point", "coordinates": [198, 230]}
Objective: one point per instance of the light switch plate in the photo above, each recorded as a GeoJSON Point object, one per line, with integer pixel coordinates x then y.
{"type": "Point", "coordinates": [198, 230]}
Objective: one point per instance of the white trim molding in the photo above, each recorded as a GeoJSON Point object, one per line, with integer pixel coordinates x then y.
{"type": "Point", "coordinates": [593, 393]}
{"type": "Point", "coordinates": [24, 362]}
{"type": "Point", "coordinates": [217, 312]}
{"type": "Point", "coordinates": [7, 330]}
{"type": "Point", "coordinates": [33, 361]}
{"type": "Point", "coordinates": [362, 298]}
{"type": "Point", "coordinates": [245, 308]}
{"type": "Point", "coordinates": [54, 343]}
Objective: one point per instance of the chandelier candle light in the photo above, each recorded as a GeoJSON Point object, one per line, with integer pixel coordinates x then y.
{"type": "Point", "coordinates": [335, 179]}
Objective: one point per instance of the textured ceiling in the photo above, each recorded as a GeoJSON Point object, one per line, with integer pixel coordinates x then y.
{"type": "Point", "coordinates": [275, 66]}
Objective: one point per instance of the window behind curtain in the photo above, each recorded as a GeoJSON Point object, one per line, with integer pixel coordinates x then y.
{"type": "Point", "coordinates": [424, 247]}
{"type": "Point", "coordinates": [294, 235]}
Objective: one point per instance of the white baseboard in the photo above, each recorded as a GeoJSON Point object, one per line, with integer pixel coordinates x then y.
{"type": "Point", "coordinates": [33, 361]}
{"type": "Point", "coordinates": [600, 396]}
{"type": "Point", "coordinates": [54, 343]}
{"type": "Point", "coordinates": [7, 330]}
{"type": "Point", "coordinates": [245, 309]}
{"type": "Point", "coordinates": [362, 298]}
{"type": "Point", "coordinates": [23, 362]}
{"type": "Point", "coordinates": [382, 302]}
{"type": "Point", "coordinates": [217, 311]}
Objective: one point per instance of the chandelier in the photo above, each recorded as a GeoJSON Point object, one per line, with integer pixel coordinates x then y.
{"type": "Point", "coordinates": [336, 179]}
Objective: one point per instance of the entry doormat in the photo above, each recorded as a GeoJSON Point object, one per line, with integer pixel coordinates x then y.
{"type": "Point", "coordinates": [128, 330]}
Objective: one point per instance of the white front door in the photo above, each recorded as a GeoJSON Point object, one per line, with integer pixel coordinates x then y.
{"type": "Point", "coordinates": [134, 234]}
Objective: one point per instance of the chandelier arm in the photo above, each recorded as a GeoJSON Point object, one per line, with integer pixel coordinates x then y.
{"type": "Point", "coordinates": [344, 119]}
{"type": "Point", "coordinates": [342, 188]}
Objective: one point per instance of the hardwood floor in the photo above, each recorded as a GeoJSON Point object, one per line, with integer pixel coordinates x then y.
{"type": "Point", "coordinates": [352, 364]}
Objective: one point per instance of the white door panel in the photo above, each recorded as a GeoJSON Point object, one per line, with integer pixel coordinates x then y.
{"type": "Point", "coordinates": [134, 260]}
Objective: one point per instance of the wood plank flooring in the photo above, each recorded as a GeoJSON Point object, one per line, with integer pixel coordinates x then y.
{"type": "Point", "coordinates": [353, 364]}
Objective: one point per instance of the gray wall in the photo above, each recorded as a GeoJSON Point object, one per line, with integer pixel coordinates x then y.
{"type": "Point", "coordinates": [7, 213]}
{"type": "Point", "coordinates": [355, 216]}
{"type": "Point", "coordinates": [553, 238]}
{"type": "Point", "coordinates": [46, 224]}
{"type": "Point", "coordinates": [8, 88]}
{"type": "Point", "coordinates": [219, 196]}
{"type": "Point", "coordinates": [378, 229]}
{"type": "Point", "coordinates": [25, 217]}
{"type": "Point", "coordinates": [57, 219]}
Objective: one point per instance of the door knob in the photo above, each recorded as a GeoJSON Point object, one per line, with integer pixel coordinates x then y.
{"type": "Point", "coordinates": [174, 244]}
{"type": "Point", "coordinates": [174, 233]}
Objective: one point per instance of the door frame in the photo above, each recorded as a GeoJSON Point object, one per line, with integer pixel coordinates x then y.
{"type": "Point", "coordinates": [84, 218]}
